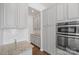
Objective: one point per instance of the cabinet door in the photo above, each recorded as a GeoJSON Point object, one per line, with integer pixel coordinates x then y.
{"type": "Point", "coordinates": [73, 10]}
{"type": "Point", "coordinates": [1, 14]}
{"type": "Point", "coordinates": [10, 15]}
{"type": "Point", "coordinates": [60, 12]}
{"type": "Point", "coordinates": [1, 37]}
{"type": "Point", "coordinates": [53, 39]}
{"type": "Point", "coordinates": [45, 44]}
{"type": "Point", "coordinates": [22, 16]}
{"type": "Point", "coordinates": [39, 42]}
{"type": "Point", "coordinates": [51, 15]}
{"type": "Point", "coordinates": [65, 11]}
{"type": "Point", "coordinates": [48, 41]}
{"type": "Point", "coordinates": [45, 18]}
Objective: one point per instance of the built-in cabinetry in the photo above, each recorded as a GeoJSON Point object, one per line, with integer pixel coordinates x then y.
{"type": "Point", "coordinates": [1, 14]}
{"type": "Point", "coordinates": [1, 36]}
{"type": "Point", "coordinates": [35, 39]}
{"type": "Point", "coordinates": [49, 30]}
{"type": "Point", "coordinates": [22, 15]}
{"type": "Point", "coordinates": [13, 15]}
{"type": "Point", "coordinates": [10, 16]}
{"type": "Point", "coordinates": [73, 10]}
{"type": "Point", "coordinates": [36, 23]}
{"type": "Point", "coordinates": [67, 11]}
{"type": "Point", "coordinates": [35, 35]}
{"type": "Point", "coordinates": [61, 11]}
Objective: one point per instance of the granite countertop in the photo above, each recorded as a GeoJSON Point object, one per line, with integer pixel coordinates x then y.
{"type": "Point", "coordinates": [36, 34]}
{"type": "Point", "coordinates": [14, 49]}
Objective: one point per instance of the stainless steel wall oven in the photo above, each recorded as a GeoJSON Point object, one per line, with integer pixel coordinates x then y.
{"type": "Point", "coordinates": [68, 35]}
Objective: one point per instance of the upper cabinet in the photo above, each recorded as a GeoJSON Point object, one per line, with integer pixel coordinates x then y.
{"type": "Point", "coordinates": [10, 15]}
{"type": "Point", "coordinates": [22, 15]}
{"type": "Point", "coordinates": [61, 11]}
{"type": "Point", "coordinates": [45, 17]}
{"type": "Point", "coordinates": [13, 15]}
{"type": "Point", "coordinates": [1, 14]}
{"type": "Point", "coordinates": [73, 10]}
{"type": "Point", "coordinates": [36, 23]}
{"type": "Point", "coordinates": [51, 16]}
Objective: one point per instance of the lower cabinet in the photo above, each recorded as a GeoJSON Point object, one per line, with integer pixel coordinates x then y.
{"type": "Point", "coordinates": [36, 40]}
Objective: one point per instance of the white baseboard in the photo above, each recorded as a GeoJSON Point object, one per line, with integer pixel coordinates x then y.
{"type": "Point", "coordinates": [41, 50]}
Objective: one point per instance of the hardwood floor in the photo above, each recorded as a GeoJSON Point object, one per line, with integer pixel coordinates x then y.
{"type": "Point", "coordinates": [36, 51]}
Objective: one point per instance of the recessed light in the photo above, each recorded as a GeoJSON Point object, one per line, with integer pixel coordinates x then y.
{"type": "Point", "coordinates": [32, 11]}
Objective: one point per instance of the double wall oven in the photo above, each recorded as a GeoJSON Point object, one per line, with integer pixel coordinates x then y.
{"type": "Point", "coordinates": [68, 35]}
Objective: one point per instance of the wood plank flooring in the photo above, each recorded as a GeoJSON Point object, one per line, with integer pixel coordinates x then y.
{"type": "Point", "coordinates": [36, 51]}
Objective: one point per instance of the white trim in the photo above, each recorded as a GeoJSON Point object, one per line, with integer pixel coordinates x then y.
{"type": "Point", "coordinates": [41, 50]}
{"type": "Point", "coordinates": [41, 31]}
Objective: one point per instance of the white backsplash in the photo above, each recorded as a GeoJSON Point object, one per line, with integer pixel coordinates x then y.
{"type": "Point", "coordinates": [9, 35]}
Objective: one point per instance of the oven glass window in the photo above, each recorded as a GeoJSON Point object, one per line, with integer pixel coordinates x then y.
{"type": "Point", "coordinates": [71, 29]}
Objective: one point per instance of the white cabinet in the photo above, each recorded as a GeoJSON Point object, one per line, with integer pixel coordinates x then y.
{"type": "Point", "coordinates": [10, 15]}
{"type": "Point", "coordinates": [22, 16]}
{"type": "Point", "coordinates": [73, 10]}
{"type": "Point", "coordinates": [1, 37]}
{"type": "Point", "coordinates": [61, 11]}
{"type": "Point", "coordinates": [45, 39]}
{"type": "Point", "coordinates": [1, 14]}
{"type": "Point", "coordinates": [49, 30]}
{"type": "Point", "coordinates": [13, 15]}
{"type": "Point", "coordinates": [36, 23]}
{"type": "Point", "coordinates": [67, 11]}
{"type": "Point", "coordinates": [45, 17]}
{"type": "Point", "coordinates": [51, 14]}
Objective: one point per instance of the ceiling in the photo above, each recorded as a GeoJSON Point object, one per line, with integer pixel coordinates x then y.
{"type": "Point", "coordinates": [41, 6]}
{"type": "Point", "coordinates": [32, 11]}
{"type": "Point", "coordinates": [47, 5]}
{"type": "Point", "coordinates": [37, 7]}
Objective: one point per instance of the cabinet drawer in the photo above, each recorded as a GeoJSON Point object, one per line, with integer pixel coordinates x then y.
{"type": "Point", "coordinates": [73, 12]}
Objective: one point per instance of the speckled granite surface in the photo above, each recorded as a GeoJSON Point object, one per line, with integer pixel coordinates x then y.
{"type": "Point", "coordinates": [14, 49]}
{"type": "Point", "coordinates": [36, 34]}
